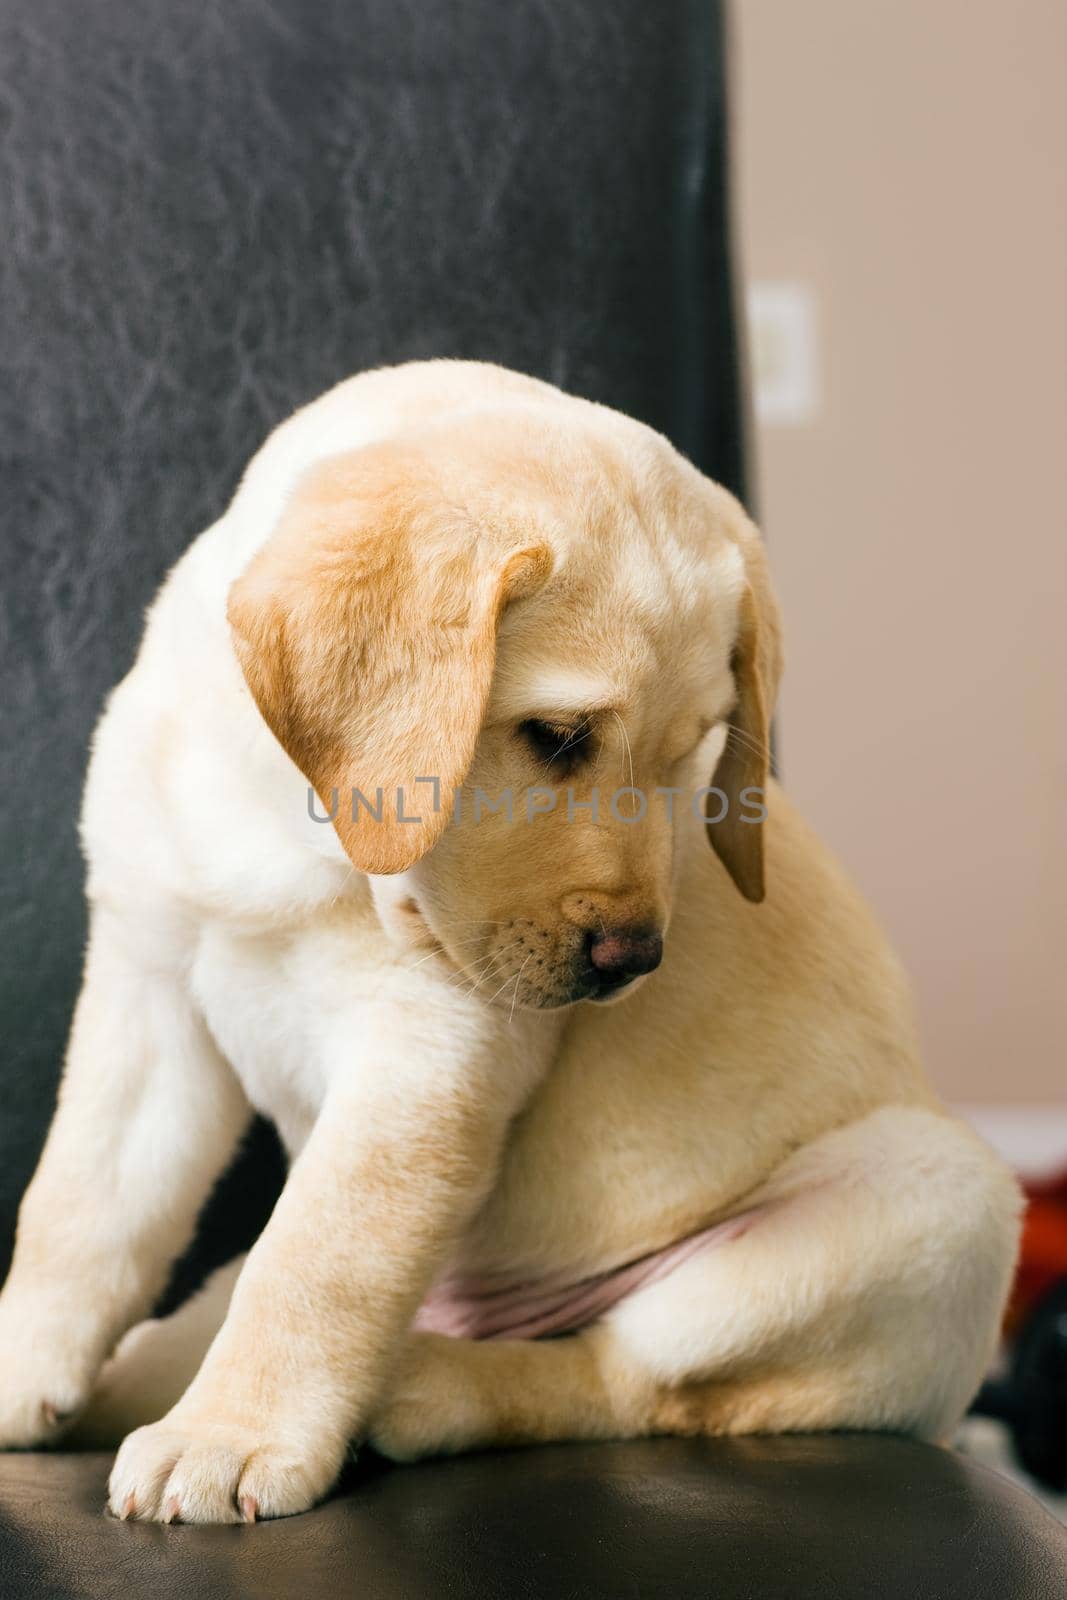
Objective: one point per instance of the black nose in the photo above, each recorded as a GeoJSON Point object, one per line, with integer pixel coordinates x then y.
{"type": "Point", "coordinates": [619, 954]}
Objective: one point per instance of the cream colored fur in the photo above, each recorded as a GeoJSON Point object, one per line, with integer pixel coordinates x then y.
{"type": "Point", "coordinates": [414, 567]}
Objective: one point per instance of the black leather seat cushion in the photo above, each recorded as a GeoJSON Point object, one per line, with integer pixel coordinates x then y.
{"type": "Point", "coordinates": [854, 1518]}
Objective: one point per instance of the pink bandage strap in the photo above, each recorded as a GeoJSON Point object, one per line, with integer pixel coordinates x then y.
{"type": "Point", "coordinates": [482, 1308]}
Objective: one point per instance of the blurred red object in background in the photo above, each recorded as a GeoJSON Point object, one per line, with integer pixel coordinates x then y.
{"type": "Point", "coordinates": [1043, 1254]}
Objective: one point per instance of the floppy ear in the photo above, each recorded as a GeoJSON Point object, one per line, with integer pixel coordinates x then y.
{"type": "Point", "coordinates": [745, 761]}
{"type": "Point", "coordinates": [366, 631]}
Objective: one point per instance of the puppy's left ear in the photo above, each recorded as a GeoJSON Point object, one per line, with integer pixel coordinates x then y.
{"type": "Point", "coordinates": [366, 631]}
{"type": "Point", "coordinates": [744, 766]}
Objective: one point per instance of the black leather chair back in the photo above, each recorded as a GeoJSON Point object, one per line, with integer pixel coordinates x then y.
{"type": "Point", "coordinates": [213, 212]}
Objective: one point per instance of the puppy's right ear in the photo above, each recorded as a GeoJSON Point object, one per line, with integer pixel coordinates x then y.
{"type": "Point", "coordinates": [366, 632]}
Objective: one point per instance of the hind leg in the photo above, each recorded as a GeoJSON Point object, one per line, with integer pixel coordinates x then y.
{"type": "Point", "coordinates": [866, 1293]}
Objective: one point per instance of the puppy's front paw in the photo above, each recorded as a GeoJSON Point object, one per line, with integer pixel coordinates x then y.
{"type": "Point", "coordinates": [174, 1471]}
{"type": "Point", "coordinates": [39, 1390]}
{"type": "Point", "coordinates": [32, 1417]}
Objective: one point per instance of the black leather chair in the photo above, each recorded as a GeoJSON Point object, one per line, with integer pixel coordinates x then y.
{"type": "Point", "coordinates": [211, 212]}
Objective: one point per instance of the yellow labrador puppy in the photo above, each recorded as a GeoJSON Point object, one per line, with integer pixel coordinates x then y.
{"type": "Point", "coordinates": [418, 766]}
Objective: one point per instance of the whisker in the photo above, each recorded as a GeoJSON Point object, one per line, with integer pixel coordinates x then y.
{"type": "Point", "coordinates": [489, 961]}
{"type": "Point", "coordinates": [503, 986]}
{"type": "Point", "coordinates": [485, 962]}
{"type": "Point", "coordinates": [480, 922]}
{"type": "Point", "coordinates": [747, 739]}
{"type": "Point", "coordinates": [629, 751]}
{"type": "Point", "coordinates": [440, 951]}
{"type": "Point", "coordinates": [341, 889]}
{"type": "Point", "coordinates": [493, 970]}
{"type": "Point", "coordinates": [575, 735]}
{"type": "Point", "coordinates": [518, 980]}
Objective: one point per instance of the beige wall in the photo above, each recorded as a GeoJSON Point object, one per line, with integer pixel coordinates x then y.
{"type": "Point", "coordinates": [906, 158]}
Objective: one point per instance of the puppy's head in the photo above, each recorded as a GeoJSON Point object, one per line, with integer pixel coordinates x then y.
{"type": "Point", "coordinates": [497, 648]}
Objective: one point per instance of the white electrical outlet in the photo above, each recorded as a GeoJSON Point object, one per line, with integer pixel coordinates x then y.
{"type": "Point", "coordinates": [783, 347]}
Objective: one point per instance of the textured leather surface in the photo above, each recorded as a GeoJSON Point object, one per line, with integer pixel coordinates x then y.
{"type": "Point", "coordinates": [212, 212]}
{"type": "Point", "coordinates": [785, 1519]}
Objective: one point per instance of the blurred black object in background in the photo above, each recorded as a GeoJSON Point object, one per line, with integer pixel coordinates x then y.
{"type": "Point", "coordinates": [1031, 1396]}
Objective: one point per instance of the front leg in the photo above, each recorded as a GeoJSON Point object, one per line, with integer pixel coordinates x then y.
{"type": "Point", "coordinates": [405, 1148]}
{"type": "Point", "coordinates": [148, 1115]}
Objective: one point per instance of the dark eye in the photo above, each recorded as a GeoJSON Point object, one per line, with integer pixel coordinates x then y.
{"type": "Point", "coordinates": [564, 746]}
